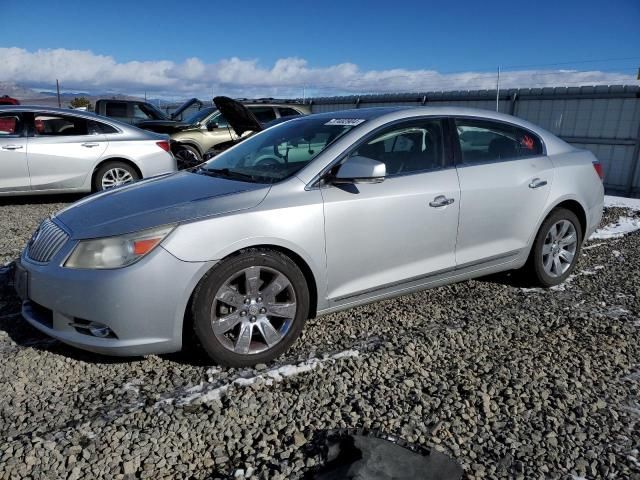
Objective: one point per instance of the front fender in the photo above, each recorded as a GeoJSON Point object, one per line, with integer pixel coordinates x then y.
{"type": "Point", "coordinates": [298, 229]}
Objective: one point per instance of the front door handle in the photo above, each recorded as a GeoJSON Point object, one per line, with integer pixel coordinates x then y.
{"type": "Point", "coordinates": [441, 201]}
{"type": "Point", "coordinates": [537, 183]}
{"type": "Point", "coordinates": [90, 144]}
{"type": "Point", "coordinates": [11, 147]}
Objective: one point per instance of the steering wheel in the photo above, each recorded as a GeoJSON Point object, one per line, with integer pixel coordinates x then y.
{"type": "Point", "coordinates": [268, 161]}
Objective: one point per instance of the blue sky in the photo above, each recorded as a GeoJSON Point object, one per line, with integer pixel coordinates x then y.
{"type": "Point", "coordinates": [410, 36]}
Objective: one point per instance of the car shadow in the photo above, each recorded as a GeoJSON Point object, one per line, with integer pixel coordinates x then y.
{"type": "Point", "coordinates": [41, 199]}
{"type": "Point", "coordinates": [510, 279]}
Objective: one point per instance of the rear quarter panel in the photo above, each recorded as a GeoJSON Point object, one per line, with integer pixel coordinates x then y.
{"type": "Point", "coordinates": [150, 159]}
{"type": "Point", "coordinates": [576, 179]}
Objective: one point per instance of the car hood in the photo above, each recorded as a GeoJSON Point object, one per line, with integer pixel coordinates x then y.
{"type": "Point", "coordinates": [238, 116]}
{"type": "Point", "coordinates": [184, 106]}
{"type": "Point", "coordinates": [173, 198]}
{"type": "Point", "coordinates": [164, 126]}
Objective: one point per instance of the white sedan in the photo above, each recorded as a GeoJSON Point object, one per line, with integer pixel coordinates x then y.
{"type": "Point", "coordinates": [52, 150]}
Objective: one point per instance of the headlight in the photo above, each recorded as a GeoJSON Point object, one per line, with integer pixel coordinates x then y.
{"type": "Point", "coordinates": [116, 252]}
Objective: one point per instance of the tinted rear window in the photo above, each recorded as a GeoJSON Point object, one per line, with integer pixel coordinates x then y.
{"type": "Point", "coordinates": [487, 141]}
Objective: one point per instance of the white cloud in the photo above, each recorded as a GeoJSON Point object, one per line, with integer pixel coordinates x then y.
{"type": "Point", "coordinates": [84, 70]}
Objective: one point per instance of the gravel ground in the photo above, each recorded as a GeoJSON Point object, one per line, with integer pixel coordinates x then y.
{"type": "Point", "coordinates": [511, 382]}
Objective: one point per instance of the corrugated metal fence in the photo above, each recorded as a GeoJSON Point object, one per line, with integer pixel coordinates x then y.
{"type": "Point", "coordinates": [603, 119]}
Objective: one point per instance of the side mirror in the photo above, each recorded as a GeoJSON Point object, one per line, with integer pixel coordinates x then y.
{"type": "Point", "coordinates": [212, 126]}
{"type": "Point", "coordinates": [360, 170]}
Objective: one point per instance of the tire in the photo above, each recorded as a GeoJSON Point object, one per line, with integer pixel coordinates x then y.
{"type": "Point", "coordinates": [232, 314]}
{"type": "Point", "coordinates": [541, 268]}
{"type": "Point", "coordinates": [186, 156]}
{"type": "Point", "coordinates": [119, 173]}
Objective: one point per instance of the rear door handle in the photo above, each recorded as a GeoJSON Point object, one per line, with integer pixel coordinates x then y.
{"type": "Point", "coordinates": [11, 147]}
{"type": "Point", "coordinates": [537, 183]}
{"type": "Point", "coordinates": [90, 144]}
{"type": "Point", "coordinates": [440, 201]}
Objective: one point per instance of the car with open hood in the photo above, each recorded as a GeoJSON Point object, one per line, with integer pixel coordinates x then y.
{"type": "Point", "coordinates": [138, 112]}
{"type": "Point", "coordinates": [216, 127]}
{"type": "Point", "coordinates": [317, 214]}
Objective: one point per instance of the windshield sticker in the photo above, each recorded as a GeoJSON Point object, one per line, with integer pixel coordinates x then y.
{"type": "Point", "coordinates": [352, 122]}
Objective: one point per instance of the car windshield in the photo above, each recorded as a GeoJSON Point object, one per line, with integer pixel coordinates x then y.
{"type": "Point", "coordinates": [279, 152]}
{"type": "Point", "coordinates": [200, 115]}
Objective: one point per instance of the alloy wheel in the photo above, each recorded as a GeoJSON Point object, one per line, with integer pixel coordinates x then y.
{"type": "Point", "coordinates": [186, 158]}
{"type": "Point", "coordinates": [559, 248]}
{"type": "Point", "coordinates": [115, 177]}
{"type": "Point", "coordinates": [253, 310]}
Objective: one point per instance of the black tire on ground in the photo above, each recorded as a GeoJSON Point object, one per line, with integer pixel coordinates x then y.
{"type": "Point", "coordinates": [534, 269]}
{"type": "Point", "coordinates": [186, 156]}
{"type": "Point", "coordinates": [110, 166]}
{"type": "Point", "coordinates": [203, 305]}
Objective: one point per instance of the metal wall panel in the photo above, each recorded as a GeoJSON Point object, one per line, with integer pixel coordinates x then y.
{"type": "Point", "coordinates": [603, 119]}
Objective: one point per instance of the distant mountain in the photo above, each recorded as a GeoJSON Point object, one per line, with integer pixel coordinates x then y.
{"type": "Point", "coordinates": [30, 96]}
{"type": "Point", "coordinates": [18, 91]}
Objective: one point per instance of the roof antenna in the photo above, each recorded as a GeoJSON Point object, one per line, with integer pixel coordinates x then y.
{"type": "Point", "coordinates": [498, 91]}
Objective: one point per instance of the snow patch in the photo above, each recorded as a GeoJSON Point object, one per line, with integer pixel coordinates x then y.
{"type": "Point", "coordinates": [206, 392]}
{"type": "Point", "coordinates": [589, 247]}
{"type": "Point", "coordinates": [630, 203]}
{"type": "Point", "coordinates": [622, 227]}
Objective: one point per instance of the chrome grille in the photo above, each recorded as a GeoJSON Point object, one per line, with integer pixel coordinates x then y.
{"type": "Point", "coordinates": [46, 242]}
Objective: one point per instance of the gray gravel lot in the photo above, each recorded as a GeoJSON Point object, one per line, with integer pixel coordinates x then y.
{"type": "Point", "coordinates": [511, 382]}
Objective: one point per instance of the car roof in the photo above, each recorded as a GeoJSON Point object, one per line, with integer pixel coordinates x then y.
{"type": "Point", "coordinates": [388, 114]}
{"type": "Point", "coordinates": [43, 108]}
{"type": "Point", "coordinates": [78, 113]}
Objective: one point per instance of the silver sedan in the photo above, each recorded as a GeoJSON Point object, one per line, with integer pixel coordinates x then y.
{"type": "Point", "coordinates": [52, 150]}
{"type": "Point", "coordinates": [312, 216]}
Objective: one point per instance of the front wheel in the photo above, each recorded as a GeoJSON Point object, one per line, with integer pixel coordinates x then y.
{"type": "Point", "coordinates": [250, 308]}
{"type": "Point", "coordinates": [556, 249]}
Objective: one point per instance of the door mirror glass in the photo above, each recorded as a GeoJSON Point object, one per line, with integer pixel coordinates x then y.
{"type": "Point", "coordinates": [359, 169]}
{"type": "Point", "coordinates": [211, 126]}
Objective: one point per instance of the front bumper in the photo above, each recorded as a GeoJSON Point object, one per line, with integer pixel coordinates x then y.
{"type": "Point", "coordinates": [143, 304]}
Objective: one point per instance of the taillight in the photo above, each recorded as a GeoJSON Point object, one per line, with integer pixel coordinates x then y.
{"type": "Point", "coordinates": [599, 171]}
{"type": "Point", "coordinates": [164, 144]}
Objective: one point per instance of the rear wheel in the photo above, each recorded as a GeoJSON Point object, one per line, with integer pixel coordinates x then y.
{"type": "Point", "coordinates": [186, 156]}
{"type": "Point", "coordinates": [556, 249]}
{"type": "Point", "coordinates": [250, 308]}
{"type": "Point", "coordinates": [114, 174]}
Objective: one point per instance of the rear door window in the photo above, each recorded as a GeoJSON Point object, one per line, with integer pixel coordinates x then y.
{"type": "Point", "coordinates": [49, 124]}
{"type": "Point", "coordinates": [263, 114]}
{"type": "Point", "coordinates": [488, 141]}
{"type": "Point", "coordinates": [99, 127]}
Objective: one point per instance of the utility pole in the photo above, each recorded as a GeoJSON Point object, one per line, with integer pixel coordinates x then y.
{"type": "Point", "coordinates": [58, 89]}
{"type": "Point", "coordinates": [303, 94]}
{"type": "Point", "coordinates": [498, 91]}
